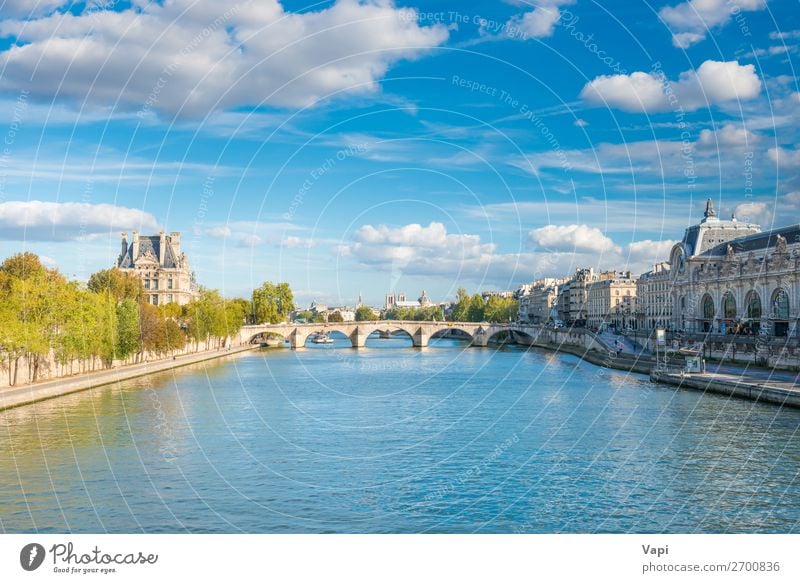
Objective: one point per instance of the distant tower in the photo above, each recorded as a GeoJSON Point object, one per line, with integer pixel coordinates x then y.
{"type": "Point", "coordinates": [360, 301]}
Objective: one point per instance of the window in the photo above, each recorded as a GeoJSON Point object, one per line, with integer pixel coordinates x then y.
{"type": "Point", "coordinates": [169, 283]}
{"type": "Point", "coordinates": [728, 306]}
{"type": "Point", "coordinates": [754, 306]}
{"type": "Point", "coordinates": [708, 307]}
{"type": "Point", "coordinates": [169, 297]}
{"type": "Point", "coordinates": [780, 305]}
{"type": "Point", "coordinates": [146, 284]}
{"type": "Point", "coordinates": [155, 284]}
{"type": "Point", "coordinates": [155, 300]}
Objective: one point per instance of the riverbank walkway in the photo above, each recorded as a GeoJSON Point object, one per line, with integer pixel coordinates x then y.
{"type": "Point", "coordinates": [31, 393]}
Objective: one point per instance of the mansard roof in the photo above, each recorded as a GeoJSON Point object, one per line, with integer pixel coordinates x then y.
{"type": "Point", "coordinates": [152, 245]}
{"type": "Point", "coordinates": [757, 242]}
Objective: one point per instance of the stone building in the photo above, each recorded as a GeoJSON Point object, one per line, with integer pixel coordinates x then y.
{"type": "Point", "coordinates": [654, 298]}
{"type": "Point", "coordinates": [537, 304]}
{"type": "Point", "coordinates": [605, 294]}
{"type": "Point", "coordinates": [161, 266]}
{"type": "Point", "coordinates": [731, 275]}
{"type": "Point", "coordinates": [399, 301]}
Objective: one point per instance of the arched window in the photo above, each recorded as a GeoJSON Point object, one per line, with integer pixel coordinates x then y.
{"type": "Point", "coordinates": [753, 306]}
{"type": "Point", "coordinates": [728, 306]}
{"type": "Point", "coordinates": [708, 307]}
{"type": "Point", "coordinates": [780, 305]}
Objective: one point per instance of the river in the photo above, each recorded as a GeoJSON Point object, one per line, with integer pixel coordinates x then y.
{"type": "Point", "coordinates": [392, 439]}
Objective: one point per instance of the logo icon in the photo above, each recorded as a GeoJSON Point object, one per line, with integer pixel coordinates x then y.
{"type": "Point", "coordinates": [31, 556]}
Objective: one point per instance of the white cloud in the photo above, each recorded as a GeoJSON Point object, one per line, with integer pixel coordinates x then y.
{"type": "Point", "coordinates": [729, 136]}
{"type": "Point", "coordinates": [691, 21]}
{"type": "Point", "coordinates": [29, 8]}
{"type": "Point", "coordinates": [249, 241]}
{"type": "Point", "coordinates": [292, 242]}
{"type": "Point", "coordinates": [581, 123]}
{"type": "Point", "coordinates": [574, 238]}
{"type": "Point", "coordinates": [755, 212]}
{"type": "Point", "coordinates": [784, 35]}
{"type": "Point", "coordinates": [539, 22]}
{"type": "Point", "coordinates": [219, 232]}
{"type": "Point", "coordinates": [793, 198]}
{"type": "Point", "coordinates": [66, 221]}
{"type": "Point", "coordinates": [648, 251]}
{"type": "Point", "coordinates": [714, 82]}
{"type": "Point", "coordinates": [785, 157]}
{"type": "Point", "coordinates": [212, 55]}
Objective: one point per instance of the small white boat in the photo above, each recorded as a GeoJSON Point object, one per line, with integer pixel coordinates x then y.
{"type": "Point", "coordinates": [322, 339]}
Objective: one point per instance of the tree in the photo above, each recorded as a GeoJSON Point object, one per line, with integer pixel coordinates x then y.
{"type": "Point", "coordinates": [365, 314]}
{"type": "Point", "coordinates": [118, 283]}
{"type": "Point", "coordinates": [272, 303]}
{"type": "Point", "coordinates": [461, 307]}
{"type": "Point", "coordinates": [475, 311]}
{"type": "Point", "coordinates": [336, 317]}
{"type": "Point", "coordinates": [128, 330]}
{"type": "Point", "coordinates": [24, 266]}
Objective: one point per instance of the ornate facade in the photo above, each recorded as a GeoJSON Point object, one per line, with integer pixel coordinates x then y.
{"type": "Point", "coordinates": [731, 275]}
{"type": "Point", "coordinates": [158, 261]}
{"type": "Point", "coordinates": [653, 293]}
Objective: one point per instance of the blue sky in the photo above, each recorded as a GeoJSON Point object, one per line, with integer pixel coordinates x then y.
{"type": "Point", "coordinates": [371, 146]}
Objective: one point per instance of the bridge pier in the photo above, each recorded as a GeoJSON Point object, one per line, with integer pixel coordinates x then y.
{"type": "Point", "coordinates": [297, 338]}
{"type": "Point", "coordinates": [358, 338]}
{"type": "Point", "coordinates": [480, 338]}
{"type": "Point", "coordinates": [420, 338]}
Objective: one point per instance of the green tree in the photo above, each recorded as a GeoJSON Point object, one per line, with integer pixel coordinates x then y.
{"type": "Point", "coordinates": [272, 303]}
{"type": "Point", "coordinates": [476, 309]}
{"type": "Point", "coordinates": [336, 317]}
{"type": "Point", "coordinates": [128, 330]}
{"type": "Point", "coordinates": [23, 266]}
{"type": "Point", "coordinates": [120, 284]}
{"type": "Point", "coordinates": [461, 307]}
{"type": "Point", "coordinates": [365, 314]}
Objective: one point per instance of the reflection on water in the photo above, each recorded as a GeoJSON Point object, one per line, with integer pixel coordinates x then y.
{"type": "Point", "coordinates": [395, 439]}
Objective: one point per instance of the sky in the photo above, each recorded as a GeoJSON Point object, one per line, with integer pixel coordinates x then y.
{"type": "Point", "coordinates": [361, 147]}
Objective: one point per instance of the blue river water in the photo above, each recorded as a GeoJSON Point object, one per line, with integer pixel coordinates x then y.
{"type": "Point", "coordinates": [392, 439]}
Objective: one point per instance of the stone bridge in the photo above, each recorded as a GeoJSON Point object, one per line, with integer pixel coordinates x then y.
{"type": "Point", "coordinates": [420, 332]}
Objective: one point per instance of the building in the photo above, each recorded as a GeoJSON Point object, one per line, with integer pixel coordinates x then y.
{"type": "Point", "coordinates": [399, 301]}
{"type": "Point", "coordinates": [573, 296]}
{"type": "Point", "coordinates": [654, 298]}
{"type": "Point", "coordinates": [504, 294]}
{"type": "Point", "coordinates": [606, 294]}
{"type": "Point", "coordinates": [161, 266]}
{"type": "Point", "coordinates": [729, 275]}
{"type": "Point", "coordinates": [538, 300]}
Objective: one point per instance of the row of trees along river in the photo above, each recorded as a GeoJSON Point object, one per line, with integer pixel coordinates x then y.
{"type": "Point", "coordinates": [52, 327]}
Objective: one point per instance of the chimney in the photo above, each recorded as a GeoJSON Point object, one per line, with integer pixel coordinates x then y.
{"type": "Point", "coordinates": [161, 247]}
{"type": "Point", "coordinates": [175, 239]}
{"type": "Point", "coordinates": [135, 243]}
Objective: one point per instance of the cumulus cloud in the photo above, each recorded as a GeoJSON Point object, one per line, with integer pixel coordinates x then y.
{"type": "Point", "coordinates": [714, 82]}
{"type": "Point", "coordinates": [212, 55]}
{"type": "Point", "coordinates": [729, 136]}
{"type": "Point", "coordinates": [755, 212]}
{"type": "Point", "coordinates": [786, 158]}
{"type": "Point", "coordinates": [648, 251]}
{"type": "Point", "coordinates": [575, 238]}
{"type": "Point", "coordinates": [539, 22]}
{"type": "Point", "coordinates": [691, 21]}
{"type": "Point", "coordinates": [29, 8]}
{"type": "Point", "coordinates": [427, 250]}
{"type": "Point", "coordinates": [66, 221]}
